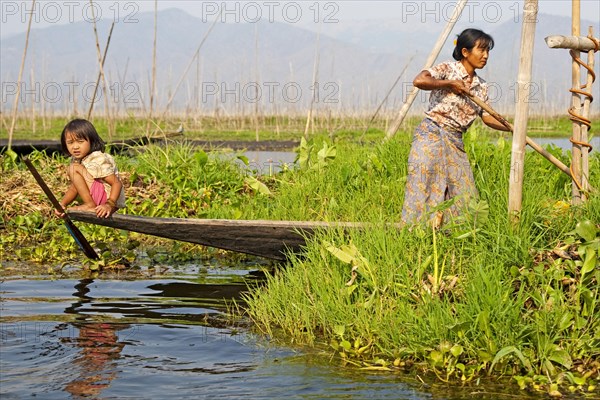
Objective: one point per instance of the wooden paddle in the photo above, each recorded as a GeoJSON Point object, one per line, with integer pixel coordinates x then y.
{"type": "Point", "coordinates": [81, 241]}
{"type": "Point", "coordinates": [546, 154]}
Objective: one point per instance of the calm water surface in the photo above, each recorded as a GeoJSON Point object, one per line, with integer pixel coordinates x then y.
{"type": "Point", "coordinates": [170, 337]}
{"type": "Point", "coordinates": [156, 339]}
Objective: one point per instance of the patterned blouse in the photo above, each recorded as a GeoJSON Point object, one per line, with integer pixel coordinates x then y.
{"type": "Point", "coordinates": [100, 165]}
{"type": "Point", "coordinates": [451, 111]}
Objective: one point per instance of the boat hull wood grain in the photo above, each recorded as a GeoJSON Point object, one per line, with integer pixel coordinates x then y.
{"type": "Point", "coordinates": [269, 239]}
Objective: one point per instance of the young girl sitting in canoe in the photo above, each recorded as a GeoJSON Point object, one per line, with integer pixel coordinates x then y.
{"type": "Point", "coordinates": [93, 173]}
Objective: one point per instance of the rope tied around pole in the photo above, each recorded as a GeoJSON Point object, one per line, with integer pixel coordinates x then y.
{"type": "Point", "coordinates": [583, 90]}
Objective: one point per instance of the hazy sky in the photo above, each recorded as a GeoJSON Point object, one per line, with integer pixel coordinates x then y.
{"type": "Point", "coordinates": [14, 14]}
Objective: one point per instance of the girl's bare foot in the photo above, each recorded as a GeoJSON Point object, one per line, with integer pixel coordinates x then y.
{"type": "Point", "coordinates": [84, 207]}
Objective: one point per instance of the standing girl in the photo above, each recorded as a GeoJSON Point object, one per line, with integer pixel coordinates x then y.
{"type": "Point", "coordinates": [93, 174]}
{"type": "Point", "coordinates": [438, 167]}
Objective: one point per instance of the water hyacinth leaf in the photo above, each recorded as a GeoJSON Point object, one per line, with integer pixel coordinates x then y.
{"type": "Point", "coordinates": [436, 357]}
{"type": "Point", "coordinates": [561, 357]}
{"type": "Point", "coordinates": [201, 157]}
{"type": "Point", "coordinates": [326, 154]}
{"type": "Point", "coordinates": [565, 321]}
{"type": "Point", "coordinates": [243, 159]}
{"type": "Point", "coordinates": [587, 230]}
{"type": "Point", "coordinates": [304, 153]}
{"type": "Point", "coordinates": [339, 330]}
{"type": "Point", "coordinates": [480, 211]}
{"type": "Point", "coordinates": [344, 254]}
{"type": "Point", "coordinates": [508, 350]}
{"type": "Point", "coordinates": [346, 345]}
{"type": "Point", "coordinates": [456, 350]}
{"type": "Point", "coordinates": [591, 259]}
{"type": "Point", "coordinates": [257, 185]}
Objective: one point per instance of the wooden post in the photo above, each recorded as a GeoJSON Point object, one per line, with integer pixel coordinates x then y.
{"type": "Point", "coordinates": [585, 164]}
{"type": "Point", "coordinates": [430, 60]}
{"type": "Point", "coordinates": [591, 45]}
{"type": "Point", "coordinates": [576, 107]}
{"type": "Point", "coordinates": [515, 194]}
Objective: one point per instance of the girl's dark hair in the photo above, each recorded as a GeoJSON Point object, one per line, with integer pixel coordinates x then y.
{"type": "Point", "coordinates": [470, 38]}
{"type": "Point", "coordinates": [82, 129]}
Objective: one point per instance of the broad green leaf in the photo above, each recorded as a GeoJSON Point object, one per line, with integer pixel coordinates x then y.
{"type": "Point", "coordinates": [561, 357]}
{"type": "Point", "coordinates": [243, 159]}
{"type": "Point", "coordinates": [339, 330]}
{"type": "Point", "coordinates": [587, 230]}
{"type": "Point", "coordinates": [456, 350]}
{"type": "Point", "coordinates": [201, 157]}
{"type": "Point", "coordinates": [340, 254]}
{"type": "Point", "coordinates": [565, 321]}
{"type": "Point", "coordinates": [590, 262]}
{"type": "Point", "coordinates": [507, 351]}
{"type": "Point", "coordinates": [257, 185]}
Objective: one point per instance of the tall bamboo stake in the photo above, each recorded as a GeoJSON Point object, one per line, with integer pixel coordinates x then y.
{"type": "Point", "coordinates": [187, 68]}
{"type": "Point", "coordinates": [256, 83]}
{"type": "Point", "coordinates": [430, 60]}
{"type": "Point", "coordinates": [386, 97]}
{"type": "Point", "coordinates": [33, 124]}
{"type": "Point", "coordinates": [515, 192]}
{"type": "Point", "coordinates": [153, 84]}
{"type": "Point", "coordinates": [101, 65]}
{"type": "Point", "coordinates": [314, 85]}
{"type": "Point", "coordinates": [19, 80]}
{"type": "Point", "coordinates": [576, 105]}
{"type": "Point", "coordinates": [89, 115]}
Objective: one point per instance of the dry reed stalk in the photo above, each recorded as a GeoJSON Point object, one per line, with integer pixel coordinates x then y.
{"type": "Point", "coordinates": [309, 117]}
{"type": "Point", "coordinates": [89, 114]}
{"type": "Point", "coordinates": [101, 66]}
{"type": "Point", "coordinates": [18, 94]}
{"type": "Point", "coordinates": [187, 68]}
{"type": "Point", "coordinates": [33, 124]}
{"type": "Point", "coordinates": [153, 84]}
{"type": "Point", "coordinates": [386, 98]}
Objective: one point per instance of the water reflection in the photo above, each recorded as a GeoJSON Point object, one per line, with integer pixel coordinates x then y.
{"type": "Point", "coordinates": [96, 363]}
{"type": "Point", "coordinates": [99, 348]}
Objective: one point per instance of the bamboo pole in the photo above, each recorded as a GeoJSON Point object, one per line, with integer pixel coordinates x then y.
{"type": "Point", "coordinates": [581, 43]}
{"type": "Point", "coordinates": [515, 192]}
{"type": "Point", "coordinates": [19, 80]}
{"type": "Point", "coordinates": [546, 154]}
{"type": "Point", "coordinates": [309, 117]}
{"type": "Point", "coordinates": [101, 65]}
{"type": "Point", "coordinates": [576, 105]}
{"type": "Point", "coordinates": [153, 84]}
{"type": "Point", "coordinates": [89, 115]}
{"type": "Point", "coordinates": [187, 68]}
{"type": "Point", "coordinates": [430, 60]}
{"type": "Point", "coordinates": [385, 98]}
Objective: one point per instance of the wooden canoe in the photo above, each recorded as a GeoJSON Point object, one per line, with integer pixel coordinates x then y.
{"type": "Point", "coordinates": [269, 239]}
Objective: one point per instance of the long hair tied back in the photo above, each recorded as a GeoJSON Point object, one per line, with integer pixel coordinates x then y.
{"type": "Point", "coordinates": [468, 39]}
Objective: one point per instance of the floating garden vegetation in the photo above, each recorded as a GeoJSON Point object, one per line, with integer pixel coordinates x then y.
{"type": "Point", "coordinates": [482, 297]}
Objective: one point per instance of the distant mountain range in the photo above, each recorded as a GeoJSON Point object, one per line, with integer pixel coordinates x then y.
{"type": "Point", "coordinates": [266, 66]}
